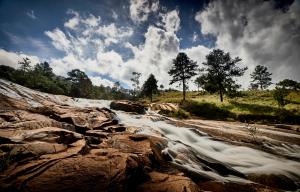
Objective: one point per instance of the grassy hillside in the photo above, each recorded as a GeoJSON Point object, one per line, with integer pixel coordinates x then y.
{"type": "Point", "coordinates": [251, 105]}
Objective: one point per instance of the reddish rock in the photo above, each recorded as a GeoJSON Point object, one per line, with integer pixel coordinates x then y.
{"type": "Point", "coordinates": [128, 106]}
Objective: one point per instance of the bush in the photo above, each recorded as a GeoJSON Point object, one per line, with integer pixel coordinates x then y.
{"type": "Point", "coordinates": [279, 95]}
{"type": "Point", "coordinates": [207, 110]}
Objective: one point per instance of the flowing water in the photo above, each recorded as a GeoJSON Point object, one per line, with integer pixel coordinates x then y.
{"type": "Point", "coordinates": [185, 144]}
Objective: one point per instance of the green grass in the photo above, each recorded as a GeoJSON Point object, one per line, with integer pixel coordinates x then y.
{"type": "Point", "coordinates": [253, 105]}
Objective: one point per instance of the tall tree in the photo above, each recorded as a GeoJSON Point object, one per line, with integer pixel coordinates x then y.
{"type": "Point", "coordinates": [136, 82]}
{"type": "Point", "coordinates": [261, 77]}
{"type": "Point", "coordinates": [150, 87]}
{"type": "Point", "coordinates": [182, 70]}
{"type": "Point", "coordinates": [219, 71]}
{"type": "Point", "coordinates": [81, 84]}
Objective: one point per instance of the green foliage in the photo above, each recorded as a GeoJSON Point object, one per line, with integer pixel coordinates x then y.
{"type": "Point", "coordinates": [289, 84]}
{"type": "Point", "coordinates": [81, 85]}
{"type": "Point", "coordinates": [219, 72]}
{"type": "Point", "coordinates": [41, 77]}
{"type": "Point", "coordinates": [182, 70]}
{"type": "Point", "coordinates": [249, 106]}
{"type": "Point", "coordinates": [205, 109]}
{"type": "Point", "coordinates": [150, 87]}
{"type": "Point", "coordinates": [261, 77]}
{"type": "Point", "coordinates": [279, 95]}
{"type": "Point", "coordinates": [180, 113]}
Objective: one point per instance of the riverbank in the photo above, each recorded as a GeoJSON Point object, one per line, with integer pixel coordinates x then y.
{"type": "Point", "coordinates": [249, 106]}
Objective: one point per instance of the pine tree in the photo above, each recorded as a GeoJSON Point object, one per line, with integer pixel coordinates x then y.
{"type": "Point", "coordinates": [261, 77]}
{"type": "Point", "coordinates": [219, 72]}
{"type": "Point", "coordinates": [150, 87]}
{"type": "Point", "coordinates": [182, 70]}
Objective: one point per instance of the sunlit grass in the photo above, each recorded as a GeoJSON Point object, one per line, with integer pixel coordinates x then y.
{"type": "Point", "coordinates": [249, 102]}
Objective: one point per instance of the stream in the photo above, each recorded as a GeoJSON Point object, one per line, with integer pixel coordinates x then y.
{"type": "Point", "coordinates": [186, 144]}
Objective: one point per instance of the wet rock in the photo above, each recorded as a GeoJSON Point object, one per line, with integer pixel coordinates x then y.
{"type": "Point", "coordinates": [128, 106]}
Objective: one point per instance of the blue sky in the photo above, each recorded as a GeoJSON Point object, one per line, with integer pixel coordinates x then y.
{"type": "Point", "coordinates": [110, 39]}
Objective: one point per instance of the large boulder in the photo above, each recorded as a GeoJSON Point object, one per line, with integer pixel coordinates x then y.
{"type": "Point", "coordinates": [128, 106]}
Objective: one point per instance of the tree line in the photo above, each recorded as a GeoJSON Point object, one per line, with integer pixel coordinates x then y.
{"type": "Point", "coordinates": [217, 76]}
{"type": "Point", "coordinates": [77, 84]}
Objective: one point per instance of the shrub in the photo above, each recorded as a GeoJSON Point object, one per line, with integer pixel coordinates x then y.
{"type": "Point", "coordinates": [279, 95]}
{"type": "Point", "coordinates": [207, 110]}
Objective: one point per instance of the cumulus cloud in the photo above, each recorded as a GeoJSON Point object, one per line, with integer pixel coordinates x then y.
{"type": "Point", "coordinates": [171, 21]}
{"type": "Point", "coordinates": [256, 32]}
{"type": "Point", "coordinates": [11, 59]}
{"type": "Point", "coordinates": [153, 56]}
{"type": "Point", "coordinates": [141, 9]}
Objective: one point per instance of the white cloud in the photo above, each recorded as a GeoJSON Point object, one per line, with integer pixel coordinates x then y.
{"type": "Point", "coordinates": [74, 21]}
{"type": "Point", "coordinates": [171, 21]}
{"type": "Point", "coordinates": [153, 56]}
{"type": "Point", "coordinates": [11, 59]}
{"type": "Point", "coordinates": [59, 39]}
{"type": "Point", "coordinates": [258, 33]}
{"type": "Point", "coordinates": [111, 31]}
{"type": "Point", "coordinates": [31, 14]}
{"type": "Point", "coordinates": [140, 9]}
{"type": "Point", "coordinates": [100, 81]}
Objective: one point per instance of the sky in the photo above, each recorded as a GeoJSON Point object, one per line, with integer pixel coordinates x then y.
{"type": "Point", "coordinates": [108, 40]}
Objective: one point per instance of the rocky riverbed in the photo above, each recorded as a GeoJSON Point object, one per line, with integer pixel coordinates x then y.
{"type": "Point", "coordinates": [57, 143]}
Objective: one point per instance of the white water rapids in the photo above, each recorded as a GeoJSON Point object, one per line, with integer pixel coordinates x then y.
{"type": "Point", "coordinates": [186, 141]}
{"type": "Point", "coordinates": [184, 144]}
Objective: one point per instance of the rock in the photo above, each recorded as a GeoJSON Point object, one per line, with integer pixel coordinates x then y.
{"type": "Point", "coordinates": [128, 106]}
{"type": "Point", "coordinates": [275, 181]}
{"type": "Point", "coordinates": [217, 186]}
{"type": "Point", "coordinates": [168, 183]}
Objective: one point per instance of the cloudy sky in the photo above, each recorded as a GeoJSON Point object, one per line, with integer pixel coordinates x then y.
{"type": "Point", "coordinates": [111, 39]}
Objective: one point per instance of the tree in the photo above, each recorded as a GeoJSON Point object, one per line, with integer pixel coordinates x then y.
{"type": "Point", "coordinates": [161, 87]}
{"type": "Point", "coordinates": [261, 77]}
{"type": "Point", "coordinates": [136, 82]}
{"type": "Point", "coordinates": [150, 87]}
{"type": "Point", "coordinates": [182, 70]}
{"type": "Point", "coordinates": [219, 72]}
{"type": "Point", "coordinates": [289, 84]}
{"type": "Point", "coordinates": [24, 77]}
{"type": "Point", "coordinates": [44, 69]}
{"type": "Point", "coordinates": [25, 65]}
{"type": "Point", "coordinates": [81, 84]}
